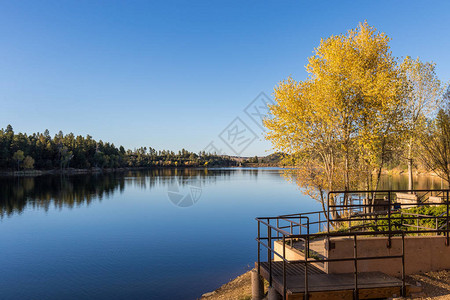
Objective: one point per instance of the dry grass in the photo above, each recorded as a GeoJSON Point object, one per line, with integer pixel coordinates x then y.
{"type": "Point", "coordinates": [435, 285]}
{"type": "Point", "coordinates": [239, 288]}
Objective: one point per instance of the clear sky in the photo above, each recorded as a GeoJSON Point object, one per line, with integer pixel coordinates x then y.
{"type": "Point", "coordinates": [175, 74]}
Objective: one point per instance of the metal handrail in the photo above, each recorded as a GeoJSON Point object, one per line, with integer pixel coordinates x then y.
{"type": "Point", "coordinates": [390, 193]}
{"type": "Point", "coordinates": [390, 215]}
{"type": "Point", "coordinates": [306, 261]}
{"type": "Point", "coordinates": [321, 220]}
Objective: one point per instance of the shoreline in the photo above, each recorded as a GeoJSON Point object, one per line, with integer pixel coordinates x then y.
{"type": "Point", "coordinates": [35, 173]}
{"type": "Point", "coordinates": [72, 171]}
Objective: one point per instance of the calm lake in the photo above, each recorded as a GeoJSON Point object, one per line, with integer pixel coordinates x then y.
{"type": "Point", "coordinates": [159, 234]}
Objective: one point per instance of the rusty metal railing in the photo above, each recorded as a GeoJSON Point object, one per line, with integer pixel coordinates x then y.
{"type": "Point", "coordinates": [366, 213]}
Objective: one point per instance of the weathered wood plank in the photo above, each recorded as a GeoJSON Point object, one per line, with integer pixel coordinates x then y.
{"type": "Point", "coordinates": [366, 293]}
{"type": "Point", "coordinates": [407, 200]}
{"type": "Point", "coordinates": [330, 286]}
{"type": "Point", "coordinates": [331, 295]}
{"type": "Point", "coordinates": [435, 199]}
{"type": "Point", "coordinates": [406, 196]}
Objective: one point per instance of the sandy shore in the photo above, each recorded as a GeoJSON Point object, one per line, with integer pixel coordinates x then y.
{"type": "Point", "coordinates": [430, 285]}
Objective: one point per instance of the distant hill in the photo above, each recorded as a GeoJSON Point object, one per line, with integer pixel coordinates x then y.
{"type": "Point", "coordinates": [272, 160]}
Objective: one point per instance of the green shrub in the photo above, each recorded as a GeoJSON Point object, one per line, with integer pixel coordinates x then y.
{"type": "Point", "coordinates": [397, 221]}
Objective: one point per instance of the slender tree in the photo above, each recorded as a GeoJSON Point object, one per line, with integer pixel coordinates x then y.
{"type": "Point", "coordinates": [422, 101]}
{"type": "Point", "coordinates": [435, 141]}
{"type": "Point", "coordinates": [436, 145]}
{"type": "Point", "coordinates": [18, 156]}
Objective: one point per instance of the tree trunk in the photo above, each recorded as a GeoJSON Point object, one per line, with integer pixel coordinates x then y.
{"type": "Point", "coordinates": [410, 174]}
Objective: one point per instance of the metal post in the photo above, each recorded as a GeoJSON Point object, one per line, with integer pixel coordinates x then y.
{"type": "Point", "coordinates": [401, 220]}
{"type": "Point", "coordinates": [403, 266]}
{"type": "Point", "coordinates": [355, 256]}
{"type": "Point", "coordinates": [447, 242]}
{"type": "Point", "coordinates": [284, 268]}
{"type": "Point", "coordinates": [269, 256]}
{"type": "Point", "coordinates": [328, 212]}
{"type": "Point", "coordinates": [389, 219]}
{"type": "Point", "coordinates": [292, 241]}
{"type": "Point", "coordinates": [319, 222]}
{"type": "Point", "coordinates": [300, 226]}
{"type": "Point", "coordinates": [306, 267]}
{"type": "Point", "coordinates": [328, 221]}
{"type": "Point", "coordinates": [349, 214]}
{"type": "Point", "coordinates": [259, 248]}
{"type": "Point", "coordinates": [278, 226]}
{"type": "Point", "coordinates": [307, 232]}
{"type": "Point", "coordinates": [417, 225]}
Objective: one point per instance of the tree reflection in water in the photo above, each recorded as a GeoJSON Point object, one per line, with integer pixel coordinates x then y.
{"type": "Point", "coordinates": [42, 192]}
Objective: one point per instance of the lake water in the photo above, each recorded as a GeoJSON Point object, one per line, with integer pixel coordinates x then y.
{"type": "Point", "coordinates": [159, 234]}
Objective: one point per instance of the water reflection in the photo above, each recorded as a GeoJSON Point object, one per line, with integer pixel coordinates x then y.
{"type": "Point", "coordinates": [42, 192]}
{"type": "Point", "coordinates": [421, 182]}
{"type": "Point", "coordinates": [126, 230]}
{"type": "Point", "coordinates": [70, 191]}
{"type": "Point", "coordinates": [387, 182]}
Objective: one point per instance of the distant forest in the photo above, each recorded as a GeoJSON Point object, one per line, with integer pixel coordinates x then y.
{"type": "Point", "coordinates": [40, 151]}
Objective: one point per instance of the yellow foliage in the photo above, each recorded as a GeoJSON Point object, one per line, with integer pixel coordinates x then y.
{"type": "Point", "coordinates": [347, 108]}
{"type": "Point", "coordinates": [422, 99]}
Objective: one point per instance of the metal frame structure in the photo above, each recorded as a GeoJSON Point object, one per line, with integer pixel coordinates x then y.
{"type": "Point", "coordinates": [347, 212]}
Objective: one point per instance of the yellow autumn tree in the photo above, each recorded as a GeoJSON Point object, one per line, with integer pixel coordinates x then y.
{"type": "Point", "coordinates": [343, 115]}
{"type": "Point", "coordinates": [422, 102]}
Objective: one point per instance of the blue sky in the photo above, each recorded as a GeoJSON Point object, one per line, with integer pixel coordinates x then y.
{"type": "Point", "coordinates": [174, 74]}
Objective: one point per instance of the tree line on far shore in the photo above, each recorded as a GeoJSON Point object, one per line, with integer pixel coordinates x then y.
{"type": "Point", "coordinates": [19, 151]}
